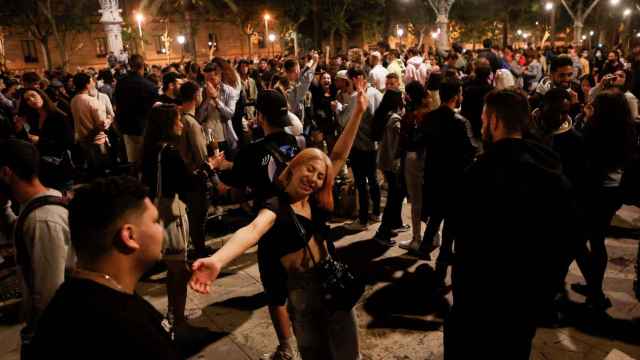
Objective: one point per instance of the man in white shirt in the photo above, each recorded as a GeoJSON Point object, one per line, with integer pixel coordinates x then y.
{"type": "Point", "coordinates": [378, 74]}
{"type": "Point", "coordinates": [40, 233]}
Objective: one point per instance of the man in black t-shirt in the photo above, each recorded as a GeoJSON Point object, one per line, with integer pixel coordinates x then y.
{"type": "Point", "coordinates": [257, 168]}
{"type": "Point", "coordinates": [96, 313]}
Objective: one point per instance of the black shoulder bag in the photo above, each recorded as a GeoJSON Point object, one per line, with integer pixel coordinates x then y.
{"type": "Point", "coordinates": [341, 290]}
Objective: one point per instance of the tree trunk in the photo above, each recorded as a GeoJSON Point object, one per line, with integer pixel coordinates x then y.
{"type": "Point", "coordinates": [316, 23]}
{"type": "Point", "coordinates": [442, 23]}
{"type": "Point", "coordinates": [505, 32]}
{"type": "Point", "coordinates": [332, 44]}
{"type": "Point", "coordinates": [552, 26]}
{"type": "Point", "coordinates": [343, 42]}
{"type": "Point", "coordinates": [386, 25]}
{"type": "Point", "coordinates": [363, 30]}
{"type": "Point", "coordinates": [44, 45]}
{"type": "Point", "coordinates": [191, 30]}
{"type": "Point", "coordinates": [250, 45]}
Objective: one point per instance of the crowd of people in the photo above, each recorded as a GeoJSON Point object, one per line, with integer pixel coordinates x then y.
{"type": "Point", "coordinates": [515, 159]}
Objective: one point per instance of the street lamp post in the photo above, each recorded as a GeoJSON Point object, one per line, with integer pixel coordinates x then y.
{"type": "Point", "coordinates": [139, 20]}
{"type": "Point", "coordinates": [272, 39]}
{"type": "Point", "coordinates": [267, 17]}
{"type": "Point", "coordinates": [399, 32]}
{"type": "Point", "coordinates": [550, 7]}
{"type": "Point", "coordinates": [181, 40]}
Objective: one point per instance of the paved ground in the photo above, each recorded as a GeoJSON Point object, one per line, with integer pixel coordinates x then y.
{"type": "Point", "coordinates": [396, 317]}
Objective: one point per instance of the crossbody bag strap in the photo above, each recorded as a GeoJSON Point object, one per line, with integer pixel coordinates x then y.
{"type": "Point", "coordinates": [159, 173]}
{"type": "Point", "coordinates": [302, 233]}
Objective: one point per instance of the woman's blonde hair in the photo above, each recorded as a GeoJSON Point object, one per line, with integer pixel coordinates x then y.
{"type": "Point", "coordinates": [324, 195]}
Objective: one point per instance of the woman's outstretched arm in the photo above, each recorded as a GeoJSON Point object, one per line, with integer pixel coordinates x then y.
{"type": "Point", "coordinates": [206, 270]}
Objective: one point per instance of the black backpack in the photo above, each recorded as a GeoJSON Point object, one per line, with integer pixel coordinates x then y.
{"type": "Point", "coordinates": [23, 258]}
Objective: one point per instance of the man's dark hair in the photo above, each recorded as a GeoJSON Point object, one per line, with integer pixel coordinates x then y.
{"type": "Point", "coordinates": [392, 76]}
{"type": "Point", "coordinates": [354, 73]}
{"type": "Point", "coordinates": [290, 64]}
{"type": "Point", "coordinates": [30, 78]}
{"type": "Point", "coordinates": [487, 43]}
{"type": "Point", "coordinates": [81, 81]}
{"type": "Point", "coordinates": [449, 89]}
{"type": "Point", "coordinates": [21, 157]}
{"type": "Point", "coordinates": [511, 107]}
{"type": "Point", "coordinates": [560, 61]}
{"type": "Point", "coordinates": [483, 72]}
{"type": "Point", "coordinates": [97, 212]}
{"type": "Point", "coordinates": [189, 91]}
{"type": "Point", "coordinates": [136, 61]}
{"type": "Point", "coordinates": [168, 79]}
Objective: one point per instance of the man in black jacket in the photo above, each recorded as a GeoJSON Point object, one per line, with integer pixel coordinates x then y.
{"type": "Point", "coordinates": [513, 222]}
{"type": "Point", "coordinates": [134, 96]}
{"type": "Point", "coordinates": [488, 53]}
{"type": "Point", "coordinates": [450, 149]}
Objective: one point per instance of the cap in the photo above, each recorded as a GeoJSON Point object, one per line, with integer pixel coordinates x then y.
{"type": "Point", "coordinates": [20, 156]}
{"type": "Point", "coordinates": [273, 106]}
{"type": "Point", "coordinates": [342, 74]}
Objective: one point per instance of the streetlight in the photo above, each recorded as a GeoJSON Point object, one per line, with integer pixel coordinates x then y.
{"type": "Point", "coordinates": [519, 32]}
{"type": "Point", "coordinates": [584, 37]}
{"type": "Point", "coordinates": [139, 19]}
{"type": "Point", "coordinates": [267, 17]}
{"type": "Point", "coordinates": [181, 39]}
{"type": "Point", "coordinates": [400, 32]}
{"type": "Point", "coordinates": [548, 6]}
{"type": "Point", "coordinates": [626, 12]}
{"type": "Point", "coordinates": [614, 2]}
{"type": "Point", "coordinates": [591, 33]}
{"type": "Point", "coordinates": [272, 39]}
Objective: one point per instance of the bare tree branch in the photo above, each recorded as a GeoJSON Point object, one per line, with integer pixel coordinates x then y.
{"type": "Point", "coordinates": [590, 8]}
{"type": "Point", "coordinates": [564, 3]}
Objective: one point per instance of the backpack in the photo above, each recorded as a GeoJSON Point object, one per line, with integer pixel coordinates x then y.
{"type": "Point", "coordinates": [281, 161]}
{"type": "Point", "coordinates": [23, 258]}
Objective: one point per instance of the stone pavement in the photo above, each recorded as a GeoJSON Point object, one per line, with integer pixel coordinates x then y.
{"type": "Point", "coordinates": [397, 317]}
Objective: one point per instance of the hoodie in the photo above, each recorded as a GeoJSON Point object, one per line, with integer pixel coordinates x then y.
{"type": "Point", "coordinates": [416, 70]}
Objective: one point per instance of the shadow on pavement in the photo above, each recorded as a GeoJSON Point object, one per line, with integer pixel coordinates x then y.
{"type": "Point", "coordinates": [405, 302]}
{"type": "Point", "coordinates": [230, 314]}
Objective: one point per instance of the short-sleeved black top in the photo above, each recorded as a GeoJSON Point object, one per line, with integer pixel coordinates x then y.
{"type": "Point", "coordinates": [283, 238]}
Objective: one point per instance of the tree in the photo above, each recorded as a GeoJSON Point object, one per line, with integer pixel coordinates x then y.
{"type": "Point", "coordinates": [26, 15]}
{"type": "Point", "coordinates": [335, 15]}
{"type": "Point", "coordinates": [420, 18]}
{"type": "Point", "coordinates": [442, 9]}
{"type": "Point", "coordinates": [578, 16]}
{"type": "Point", "coordinates": [292, 14]}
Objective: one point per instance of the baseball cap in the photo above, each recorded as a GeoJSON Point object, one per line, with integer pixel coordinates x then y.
{"type": "Point", "coordinates": [273, 106]}
{"type": "Point", "coordinates": [342, 74]}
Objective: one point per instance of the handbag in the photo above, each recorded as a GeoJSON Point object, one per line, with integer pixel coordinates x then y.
{"type": "Point", "coordinates": [341, 289]}
{"type": "Point", "coordinates": [173, 212]}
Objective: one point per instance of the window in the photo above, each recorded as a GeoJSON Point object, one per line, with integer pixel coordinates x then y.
{"type": "Point", "coordinates": [160, 44]}
{"type": "Point", "coordinates": [101, 47]}
{"type": "Point", "coordinates": [29, 51]}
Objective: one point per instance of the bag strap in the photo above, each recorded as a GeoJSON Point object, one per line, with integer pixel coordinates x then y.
{"type": "Point", "coordinates": [302, 233]}
{"type": "Point", "coordinates": [159, 173]}
{"type": "Point", "coordinates": [23, 258]}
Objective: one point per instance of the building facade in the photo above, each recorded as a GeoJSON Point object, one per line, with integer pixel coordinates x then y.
{"type": "Point", "coordinates": [161, 45]}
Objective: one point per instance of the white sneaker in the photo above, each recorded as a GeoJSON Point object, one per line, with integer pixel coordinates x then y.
{"type": "Point", "coordinates": [356, 226]}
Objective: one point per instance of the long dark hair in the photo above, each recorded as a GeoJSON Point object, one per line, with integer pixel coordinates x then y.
{"type": "Point", "coordinates": [32, 114]}
{"type": "Point", "coordinates": [161, 123]}
{"type": "Point", "coordinates": [391, 102]}
{"type": "Point", "coordinates": [610, 132]}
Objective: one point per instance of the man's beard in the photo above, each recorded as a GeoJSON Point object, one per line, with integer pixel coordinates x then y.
{"type": "Point", "coordinates": [487, 139]}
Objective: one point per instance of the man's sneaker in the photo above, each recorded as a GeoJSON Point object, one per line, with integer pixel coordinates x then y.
{"type": "Point", "coordinates": [402, 228]}
{"type": "Point", "coordinates": [384, 240]}
{"type": "Point", "coordinates": [356, 226]}
{"type": "Point", "coordinates": [375, 218]}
